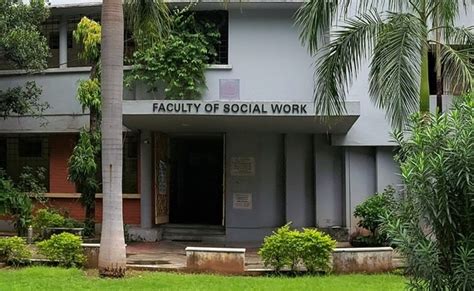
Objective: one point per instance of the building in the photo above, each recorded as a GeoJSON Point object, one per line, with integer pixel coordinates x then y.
{"type": "Point", "coordinates": [247, 158]}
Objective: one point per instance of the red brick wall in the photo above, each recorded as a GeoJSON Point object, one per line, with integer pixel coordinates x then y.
{"type": "Point", "coordinates": [60, 149]}
{"type": "Point", "coordinates": [131, 209]}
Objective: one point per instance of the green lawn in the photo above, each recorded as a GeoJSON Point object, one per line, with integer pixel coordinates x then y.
{"type": "Point", "coordinates": [45, 278]}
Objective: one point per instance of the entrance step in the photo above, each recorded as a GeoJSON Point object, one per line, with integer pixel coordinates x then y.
{"type": "Point", "coordinates": [194, 233]}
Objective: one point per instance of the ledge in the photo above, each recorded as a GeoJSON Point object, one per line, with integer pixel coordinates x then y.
{"type": "Point", "coordinates": [70, 70]}
{"type": "Point", "coordinates": [362, 250]}
{"type": "Point", "coordinates": [97, 196]}
{"type": "Point", "coordinates": [215, 250]}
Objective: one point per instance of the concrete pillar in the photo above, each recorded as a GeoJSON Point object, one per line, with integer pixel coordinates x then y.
{"type": "Point", "coordinates": [146, 178]}
{"type": "Point", "coordinates": [63, 42]}
{"type": "Point", "coordinates": [328, 167]}
{"type": "Point", "coordinates": [300, 206]}
{"type": "Point", "coordinates": [387, 170]}
{"type": "Point", "coordinates": [360, 179]}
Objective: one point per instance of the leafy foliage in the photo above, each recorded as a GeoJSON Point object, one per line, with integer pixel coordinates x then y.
{"type": "Point", "coordinates": [22, 100]}
{"type": "Point", "coordinates": [24, 47]}
{"type": "Point", "coordinates": [149, 20]}
{"type": "Point", "coordinates": [64, 248]}
{"type": "Point", "coordinates": [21, 41]}
{"type": "Point", "coordinates": [291, 248]}
{"type": "Point", "coordinates": [46, 218]}
{"type": "Point", "coordinates": [88, 94]}
{"type": "Point", "coordinates": [88, 35]}
{"type": "Point", "coordinates": [433, 222]}
{"type": "Point", "coordinates": [15, 203]}
{"type": "Point", "coordinates": [178, 60]}
{"type": "Point", "coordinates": [83, 168]}
{"type": "Point", "coordinates": [371, 213]}
{"type": "Point", "coordinates": [14, 251]}
{"type": "Point", "coordinates": [32, 181]}
{"type": "Point", "coordinates": [83, 163]}
{"type": "Point", "coordinates": [396, 40]}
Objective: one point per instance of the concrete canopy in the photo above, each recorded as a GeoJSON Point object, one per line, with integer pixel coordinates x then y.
{"type": "Point", "coordinates": [146, 115]}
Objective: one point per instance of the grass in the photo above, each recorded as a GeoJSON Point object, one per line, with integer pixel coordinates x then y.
{"type": "Point", "coordinates": [47, 278]}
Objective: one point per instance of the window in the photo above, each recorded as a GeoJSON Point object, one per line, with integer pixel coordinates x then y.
{"type": "Point", "coordinates": [221, 19]}
{"type": "Point", "coordinates": [50, 30]}
{"type": "Point", "coordinates": [30, 148]}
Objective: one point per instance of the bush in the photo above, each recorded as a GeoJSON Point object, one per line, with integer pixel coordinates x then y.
{"type": "Point", "coordinates": [48, 218]}
{"type": "Point", "coordinates": [370, 214]}
{"type": "Point", "coordinates": [432, 222]}
{"type": "Point", "coordinates": [291, 248]}
{"type": "Point", "coordinates": [14, 251]}
{"type": "Point", "coordinates": [15, 203]}
{"type": "Point", "coordinates": [316, 250]}
{"type": "Point", "coordinates": [64, 248]}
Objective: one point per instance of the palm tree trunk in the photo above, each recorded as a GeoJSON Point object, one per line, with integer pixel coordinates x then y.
{"type": "Point", "coordinates": [112, 259]}
{"type": "Point", "coordinates": [424, 85]}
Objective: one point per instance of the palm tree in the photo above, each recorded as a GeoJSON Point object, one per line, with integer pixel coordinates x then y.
{"type": "Point", "coordinates": [396, 40]}
{"type": "Point", "coordinates": [112, 256]}
{"type": "Point", "coordinates": [149, 19]}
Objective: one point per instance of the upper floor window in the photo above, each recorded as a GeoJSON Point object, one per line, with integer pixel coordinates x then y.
{"type": "Point", "coordinates": [220, 18]}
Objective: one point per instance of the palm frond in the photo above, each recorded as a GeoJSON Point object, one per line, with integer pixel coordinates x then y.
{"type": "Point", "coordinates": [147, 18]}
{"type": "Point", "coordinates": [463, 35]}
{"type": "Point", "coordinates": [338, 63]}
{"type": "Point", "coordinates": [458, 67]}
{"type": "Point", "coordinates": [314, 19]}
{"type": "Point", "coordinates": [395, 67]}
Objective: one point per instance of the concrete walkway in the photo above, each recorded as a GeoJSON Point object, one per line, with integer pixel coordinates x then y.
{"type": "Point", "coordinates": [171, 255]}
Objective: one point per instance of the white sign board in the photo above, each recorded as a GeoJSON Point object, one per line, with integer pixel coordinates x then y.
{"type": "Point", "coordinates": [242, 201]}
{"type": "Point", "coordinates": [242, 166]}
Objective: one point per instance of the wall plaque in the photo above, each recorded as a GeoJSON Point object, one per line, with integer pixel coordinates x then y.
{"type": "Point", "coordinates": [242, 166]}
{"type": "Point", "coordinates": [242, 201]}
{"type": "Point", "coordinates": [229, 89]}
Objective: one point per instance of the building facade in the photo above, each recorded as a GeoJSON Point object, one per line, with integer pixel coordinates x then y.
{"type": "Point", "coordinates": [250, 156]}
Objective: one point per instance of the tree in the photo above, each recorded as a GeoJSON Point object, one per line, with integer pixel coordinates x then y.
{"type": "Point", "coordinates": [84, 161]}
{"type": "Point", "coordinates": [397, 42]}
{"type": "Point", "coordinates": [432, 224]}
{"type": "Point", "coordinates": [22, 46]}
{"type": "Point", "coordinates": [112, 256]}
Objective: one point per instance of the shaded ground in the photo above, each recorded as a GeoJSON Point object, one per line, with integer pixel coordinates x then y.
{"type": "Point", "coordinates": [44, 278]}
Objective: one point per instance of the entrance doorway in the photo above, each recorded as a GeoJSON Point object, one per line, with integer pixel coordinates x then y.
{"type": "Point", "coordinates": [196, 186]}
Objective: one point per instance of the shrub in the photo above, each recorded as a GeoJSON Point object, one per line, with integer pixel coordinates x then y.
{"type": "Point", "coordinates": [14, 251]}
{"type": "Point", "coordinates": [370, 214]}
{"type": "Point", "coordinates": [276, 249]}
{"type": "Point", "coordinates": [47, 218]}
{"type": "Point", "coordinates": [64, 248]}
{"type": "Point", "coordinates": [15, 203]}
{"type": "Point", "coordinates": [316, 250]}
{"type": "Point", "coordinates": [432, 222]}
{"type": "Point", "coordinates": [291, 248]}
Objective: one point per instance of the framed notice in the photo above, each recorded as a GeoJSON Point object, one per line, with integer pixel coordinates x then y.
{"type": "Point", "coordinates": [242, 166]}
{"type": "Point", "coordinates": [242, 201]}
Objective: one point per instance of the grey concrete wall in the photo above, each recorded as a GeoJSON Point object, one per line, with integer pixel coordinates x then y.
{"type": "Point", "coordinates": [267, 56]}
{"type": "Point", "coordinates": [299, 182]}
{"type": "Point", "coordinates": [59, 90]}
{"type": "Point", "coordinates": [360, 179]}
{"type": "Point", "coordinates": [329, 182]}
{"type": "Point", "coordinates": [266, 186]}
{"type": "Point", "coordinates": [387, 170]}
